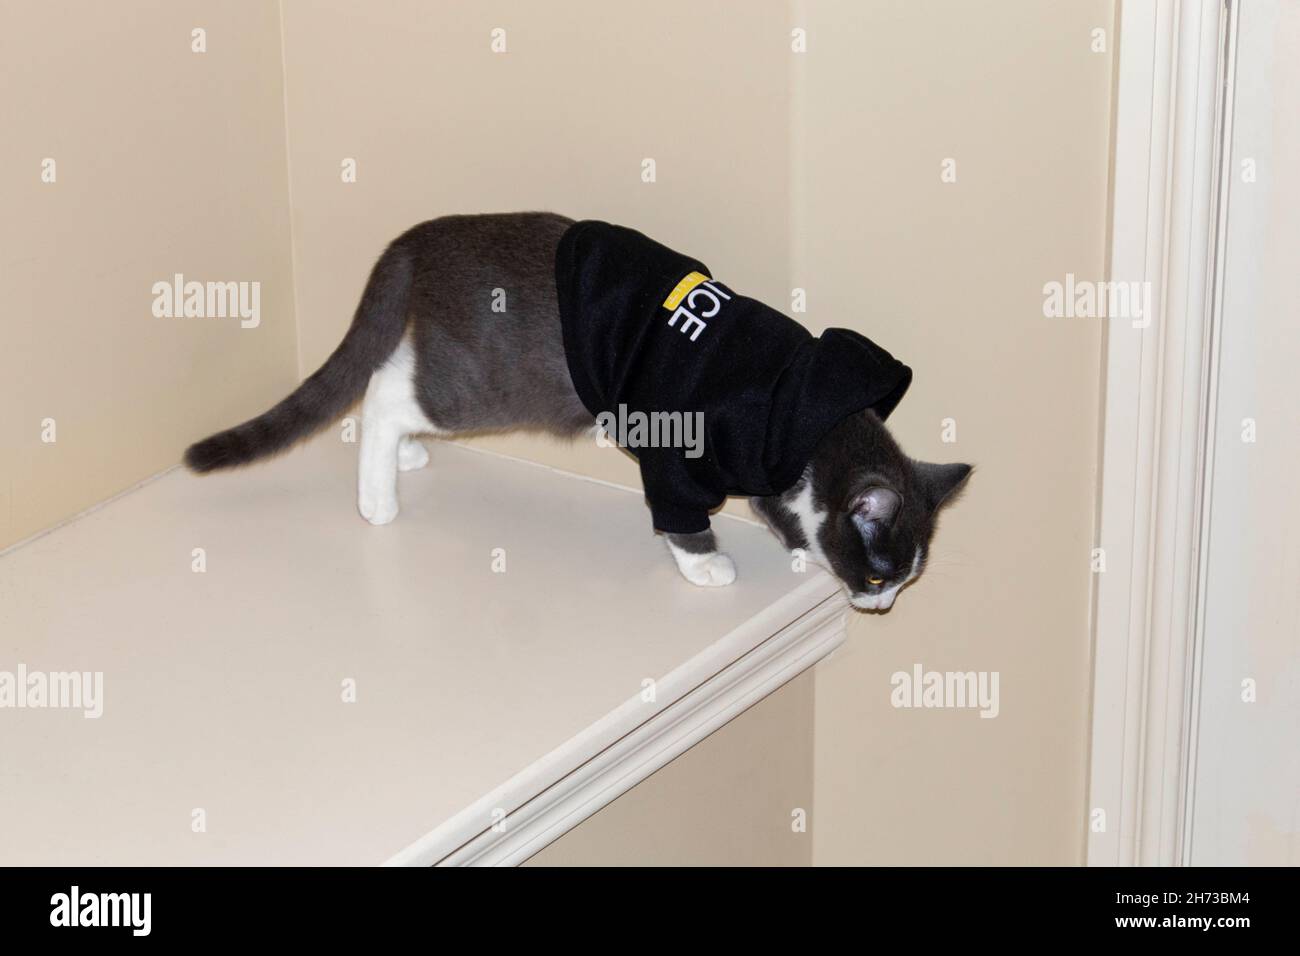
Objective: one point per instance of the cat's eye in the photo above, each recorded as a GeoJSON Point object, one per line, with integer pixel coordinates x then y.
{"type": "Point", "coordinates": [875, 580]}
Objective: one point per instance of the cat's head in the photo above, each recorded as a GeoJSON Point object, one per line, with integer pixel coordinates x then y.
{"type": "Point", "coordinates": [865, 510]}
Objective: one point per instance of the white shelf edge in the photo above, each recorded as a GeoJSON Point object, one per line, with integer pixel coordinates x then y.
{"type": "Point", "coordinates": [634, 755]}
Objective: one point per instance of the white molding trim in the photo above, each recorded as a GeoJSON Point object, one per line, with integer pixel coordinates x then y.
{"type": "Point", "coordinates": [1156, 434]}
{"type": "Point", "coordinates": [514, 836]}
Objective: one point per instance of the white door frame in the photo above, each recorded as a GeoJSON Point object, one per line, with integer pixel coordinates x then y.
{"type": "Point", "coordinates": [1172, 115]}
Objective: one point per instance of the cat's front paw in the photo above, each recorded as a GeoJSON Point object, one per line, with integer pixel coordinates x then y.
{"type": "Point", "coordinates": [707, 570]}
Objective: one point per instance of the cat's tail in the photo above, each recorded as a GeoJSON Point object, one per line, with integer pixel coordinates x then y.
{"type": "Point", "coordinates": [374, 335]}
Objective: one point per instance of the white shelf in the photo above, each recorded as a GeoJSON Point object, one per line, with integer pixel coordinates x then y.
{"type": "Point", "coordinates": [478, 693]}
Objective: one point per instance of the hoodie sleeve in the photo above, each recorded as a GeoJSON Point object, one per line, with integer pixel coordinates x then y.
{"type": "Point", "coordinates": [679, 501]}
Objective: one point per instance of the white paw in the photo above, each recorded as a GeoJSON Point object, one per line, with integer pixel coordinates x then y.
{"type": "Point", "coordinates": [375, 509]}
{"type": "Point", "coordinates": [707, 570]}
{"type": "Point", "coordinates": [411, 455]}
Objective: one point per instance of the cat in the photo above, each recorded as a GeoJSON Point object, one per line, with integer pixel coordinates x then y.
{"type": "Point", "coordinates": [431, 355]}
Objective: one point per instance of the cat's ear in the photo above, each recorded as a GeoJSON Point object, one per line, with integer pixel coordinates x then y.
{"type": "Point", "coordinates": [941, 482]}
{"type": "Point", "coordinates": [874, 508]}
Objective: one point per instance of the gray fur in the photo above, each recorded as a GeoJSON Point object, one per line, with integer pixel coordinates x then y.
{"type": "Point", "coordinates": [701, 542]}
{"type": "Point", "coordinates": [480, 370]}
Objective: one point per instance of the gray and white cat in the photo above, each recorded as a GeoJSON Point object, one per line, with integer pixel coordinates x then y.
{"type": "Point", "coordinates": [432, 357]}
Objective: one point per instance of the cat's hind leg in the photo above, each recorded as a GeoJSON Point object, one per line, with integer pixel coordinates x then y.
{"type": "Point", "coordinates": [411, 454]}
{"type": "Point", "coordinates": [389, 415]}
{"type": "Point", "coordinates": [699, 559]}
{"type": "Point", "coordinates": [377, 471]}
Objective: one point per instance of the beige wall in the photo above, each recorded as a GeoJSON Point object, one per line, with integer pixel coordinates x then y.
{"type": "Point", "coordinates": [586, 91]}
{"type": "Point", "coordinates": [166, 161]}
{"type": "Point", "coordinates": [950, 276]}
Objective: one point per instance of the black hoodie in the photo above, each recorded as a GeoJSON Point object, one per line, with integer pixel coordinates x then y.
{"type": "Point", "coordinates": [647, 329]}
